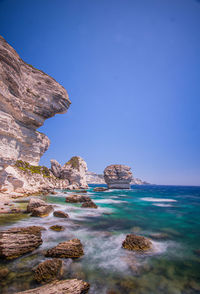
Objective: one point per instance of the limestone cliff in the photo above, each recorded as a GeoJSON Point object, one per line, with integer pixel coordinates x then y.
{"type": "Point", "coordinates": [28, 97]}
{"type": "Point", "coordinates": [118, 176]}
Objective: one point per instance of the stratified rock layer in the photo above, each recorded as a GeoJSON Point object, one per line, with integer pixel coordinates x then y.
{"type": "Point", "coordinates": [137, 243]}
{"type": "Point", "coordinates": [118, 176]}
{"type": "Point", "coordinates": [28, 97]}
{"type": "Point", "coordinates": [48, 270]}
{"type": "Point", "coordinates": [72, 286]}
{"type": "Point", "coordinates": [18, 241]}
{"type": "Point", "coordinates": [74, 171]}
{"type": "Point", "coordinates": [69, 249]}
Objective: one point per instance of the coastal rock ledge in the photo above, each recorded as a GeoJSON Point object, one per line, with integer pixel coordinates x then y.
{"type": "Point", "coordinates": [118, 176]}
{"type": "Point", "coordinates": [72, 286]}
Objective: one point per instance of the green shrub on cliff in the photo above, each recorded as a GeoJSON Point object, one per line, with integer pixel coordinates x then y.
{"type": "Point", "coordinates": [35, 169]}
{"type": "Point", "coordinates": [74, 162]}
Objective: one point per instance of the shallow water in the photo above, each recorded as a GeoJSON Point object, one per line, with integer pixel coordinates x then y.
{"type": "Point", "coordinates": [168, 214]}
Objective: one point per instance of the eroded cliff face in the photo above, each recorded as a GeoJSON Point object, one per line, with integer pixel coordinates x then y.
{"type": "Point", "coordinates": [27, 97]}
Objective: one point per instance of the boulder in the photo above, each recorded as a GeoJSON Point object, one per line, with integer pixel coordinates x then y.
{"type": "Point", "coordinates": [18, 241]}
{"type": "Point", "coordinates": [42, 211]}
{"type": "Point", "coordinates": [56, 168]}
{"type": "Point", "coordinates": [35, 203]}
{"type": "Point", "coordinates": [61, 214]}
{"type": "Point", "coordinates": [57, 228]}
{"type": "Point", "coordinates": [137, 243]}
{"type": "Point", "coordinates": [100, 189]}
{"type": "Point", "coordinates": [77, 198]}
{"type": "Point", "coordinates": [118, 176]}
{"type": "Point", "coordinates": [89, 204]}
{"type": "Point", "coordinates": [48, 270]}
{"type": "Point", "coordinates": [69, 249]}
{"type": "Point", "coordinates": [72, 286]}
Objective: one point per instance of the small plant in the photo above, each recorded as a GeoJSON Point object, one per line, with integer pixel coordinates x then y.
{"type": "Point", "coordinates": [34, 169]}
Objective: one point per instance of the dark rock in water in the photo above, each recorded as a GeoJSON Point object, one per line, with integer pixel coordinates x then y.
{"type": "Point", "coordinates": [72, 286]}
{"type": "Point", "coordinates": [48, 270]}
{"type": "Point", "coordinates": [138, 243]}
{"type": "Point", "coordinates": [69, 249]}
{"type": "Point", "coordinates": [61, 214]}
{"type": "Point", "coordinates": [57, 228]}
{"type": "Point", "coordinates": [89, 204]}
{"type": "Point", "coordinates": [18, 241]}
{"type": "Point", "coordinates": [35, 203]}
{"type": "Point", "coordinates": [100, 189]}
{"type": "Point", "coordinates": [118, 176]}
{"type": "Point", "coordinates": [77, 198]}
{"type": "Point", "coordinates": [4, 271]}
{"type": "Point", "coordinates": [42, 211]}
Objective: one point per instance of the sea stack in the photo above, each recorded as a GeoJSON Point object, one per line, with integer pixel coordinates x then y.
{"type": "Point", "coordinates": [118, 176]}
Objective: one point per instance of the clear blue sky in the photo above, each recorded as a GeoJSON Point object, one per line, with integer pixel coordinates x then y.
{"type": "Point", "coordinates": [132, 71]}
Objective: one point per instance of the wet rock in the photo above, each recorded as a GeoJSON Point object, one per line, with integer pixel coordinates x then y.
{"type": "Point", "coordinates": [100, 189]}
{"type": "Point", "coordinates": [61, 214]}
{"type": "Point", "coordinates": [118, 176]}
{"type": "Point", "coordinates": [77, 198]}
{"type": "Point", "coordinates": [69, 249]}
{"type": "Point", "coordinates": [18, 241]}
{"type": "Point", "coordinates": [72, 286]}
{"type": "Point", "coordinates": [57, 228]}
{"type": "Point", "coordinates": [138, 243]}
{"type": "Point", "coordinates": [48, 270]}
{"type": "Point", "coordinates": [89, 204]}
{"type": "Point", "coordinates": [4, 271]}
{"type": "Point", "coordinates": [35, 203]}
{"type": "Point", "coordinates": [42, 211]}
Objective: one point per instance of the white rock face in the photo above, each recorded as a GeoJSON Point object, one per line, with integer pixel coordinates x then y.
{"type": "Point", "coordinates": [27, 98]}
{"type": "Point", "coordinates": [118, 176]}
{"type": "Point", "coordinates": [74, 171]}
{"type": "Point", "coordinates": [93, 178]}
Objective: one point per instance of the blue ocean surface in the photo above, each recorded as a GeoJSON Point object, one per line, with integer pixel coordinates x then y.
{"type": "Point", "coordinates": [168, 215]}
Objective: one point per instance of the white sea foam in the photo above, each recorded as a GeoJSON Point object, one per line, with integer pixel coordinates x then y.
{"type": "Point", "coordinates": [162, 205]}
{"type": "Point", "coordinates": [152, 199]}
{"type": "Point", "coordinates": [109, 201]}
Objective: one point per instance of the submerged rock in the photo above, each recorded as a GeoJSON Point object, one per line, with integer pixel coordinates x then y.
{"type": "Point", "coordinates": [57, 228]}
{"type": "Point", "coordinates": [69, 249]}
{"type": "Point", "coordinates": [100, 189]}
{"type": "Point", "coordinates": [48, 270]}
{"type": "Point", "coordinates": [77, 198]}
{"type": "Point", "coordinates": [89, 204]}
{"type": "Point", "coordinates": [72, 286]}
{"type": "Point", "coordinates": [18, 241]}
{"type": "Point", "coordinates": [138, 243]}
{"type": "Point", "coordinates": [61, 214]}
{"type": "Point", "coordinates": [118, 176]}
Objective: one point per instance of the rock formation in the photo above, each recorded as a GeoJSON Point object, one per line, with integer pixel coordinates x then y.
{"type": "Point", "coordinates": [100, 189]}
{"type": "Point", "coordinates": [93, 178]}
{"type": "Point", "coordinates": [18, 241]}
{"type": "Point", "coordinates": [69, 249]}
{"type": "Point", "coordinates": [137, 243]}
{"type": "Point", "coordinates": [118, 176]}
{"type": "Point", "coordinates": [72, 286]}
{"type": "Point", "coordinates": [28, 97]}
{"type": "Point", "coordinates": [77, 198]}
{"type": "Point", "coordinates": [48, 270]}
{"type": "Point", "coordinates": [39, 208]}
{"type": "Point", "coordinates": [74, 171]}
{"type": "Point", "coordinates": [61, 214]}
{"type": "Point", "coordinates": [57, 228]}
{"type": "Point", "coordinates": [89, 204]}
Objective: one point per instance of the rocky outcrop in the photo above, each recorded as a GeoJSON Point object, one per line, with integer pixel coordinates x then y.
{"type": "Point", "coordinates": [74, 198]}
{"type": "Point", "coordinates": [57, 228]}
{"type": "Point", "coordinates": [89, 204]}
{"type": "Point", "coordinates": [73, 171]}
{"type": "Point", "coordinates": [72, 286]}
{"type": "Point", "coordinates": [39, 208]}
{"type": "Point", "coordinates": [69, 249]}
{"type": "Point", "coordinates": [61, 214]}
{"type": "Point", "coordinates": [18, 241]}
{"type": "Point", "coordinates": [118, 176]}
{"type": "Point", "coordinates": [28, 97]}
{"type": "Point", "coordinates": [136, 243]}
{"type": "Point", "coordinates": [48, 270]}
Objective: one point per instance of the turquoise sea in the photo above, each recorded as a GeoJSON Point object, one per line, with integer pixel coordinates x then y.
{"type": "Point", "coordinates": [169, 215]}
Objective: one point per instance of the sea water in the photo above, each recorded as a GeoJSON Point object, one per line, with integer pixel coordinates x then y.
{"type": "Point", "coordinates": [169, 215]}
